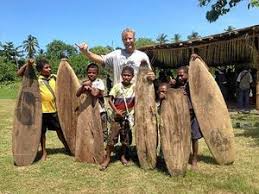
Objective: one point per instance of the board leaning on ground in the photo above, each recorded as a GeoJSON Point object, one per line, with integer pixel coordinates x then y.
{"type": "Point", "coordinates": [211, 112]}
{"type": "Point", "coordinates": [67, 103]}
{"type": "Point", "coordinates": [26, 131]}
{"type": "Point", "coordinates": [89, 134]}
{"type": "Point", "coordinates": [145, 120]}
{"type": "Point", "coordinates": [175, 130]}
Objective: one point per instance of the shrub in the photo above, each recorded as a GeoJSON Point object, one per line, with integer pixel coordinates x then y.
{"type": "Point", "coordinates": [7, 71]}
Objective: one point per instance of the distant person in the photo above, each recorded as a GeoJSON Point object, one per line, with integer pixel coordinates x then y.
{"type": "Point", "coordinates": [165, 76]}
{"type": "Point", "coordinates": [122, 102]}
{"type": "Point", "coordinates": [244, 82]}
{"type": "Point", "coordinates": [231, 83]}
{"type": "Point", "coordinates": [182, 82]}
{"type": "Point", "coordinates": [117, 59]}
{"type": "Point", "coordinates": [221, 79]}
{"type": "Point", "coordinates": [162, 76]}
{"type": "Point", "coordinates": [95, 87]}
{"type": "Point", "coordinates": [50, 121]}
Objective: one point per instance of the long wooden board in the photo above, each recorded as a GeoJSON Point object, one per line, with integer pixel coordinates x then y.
{"type": "Point", "coordinates": [26, 131]}
{"type": "Point", "coordinates": [175, 129]}
{"type": "Point", "coordinates": [89, 134]}
{"type": "Point", "coordinates": [211, 112]}
{"type": "Point", "coordinates": [145, 120]}
{"type": "Point", "coordinates": [67, 103]}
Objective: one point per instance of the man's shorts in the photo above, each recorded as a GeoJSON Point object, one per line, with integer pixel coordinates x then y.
{"type": "Point", "coordinates": [50, 121]}
{"type": "Point", "coordinates": [118, 129]}
{"type": "Point", "coordinates": [195, 132]}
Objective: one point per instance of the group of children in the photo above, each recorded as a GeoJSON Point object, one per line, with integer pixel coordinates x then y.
{"type": "Point", "coordinates": [181, 81]}
{"type": "Point", "coordinates": [121, 100]}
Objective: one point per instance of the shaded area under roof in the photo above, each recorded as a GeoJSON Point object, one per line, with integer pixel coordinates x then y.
{"type": "Point", "coordinates": [236, 47]}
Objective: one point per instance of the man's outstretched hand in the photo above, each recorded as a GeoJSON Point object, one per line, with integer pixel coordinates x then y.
{"type": "Point", "coordinates": [83, 47]}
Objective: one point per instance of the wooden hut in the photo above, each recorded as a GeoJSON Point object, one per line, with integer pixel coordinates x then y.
{"type": "Point", "coordinates": [237, 47]}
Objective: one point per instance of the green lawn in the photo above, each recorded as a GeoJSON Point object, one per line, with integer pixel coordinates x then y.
{"type": "Point", "coordinates": [61, 174]}
{"type": "Point", "coordinates": [9, 90]}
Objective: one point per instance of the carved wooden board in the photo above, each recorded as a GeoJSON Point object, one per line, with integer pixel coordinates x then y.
{"type": "Point", "coordinates": [211, 112]}
{"type": "Point", "coordinates": [145, 120]}
{"type": "Point", "coordinates": [175, 129]}
{"type": "Point", "coordinates": [89, 135]}
{"type": "Point", "coordinates": [27, 120]}
{"type": "Point", "coordinates": [67, 103]}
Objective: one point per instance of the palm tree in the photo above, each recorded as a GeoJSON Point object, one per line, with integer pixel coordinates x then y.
{"type": "Point", "coordinates": [10, 52]}
{"type": "Point", "coordinates": [41, 52]}
{"type": "Point", "coordinates": [176, 38]}
{"type": "Point", "coordinates": [141, 42]}
{"type": "Point", "coordinates": [230, 29]}
{"type": "Point", "coordinates": [30, 45]}
{"type": "Point", "coordinates": [161, 39]}
{"type": "Point", "coordinates": [193, 36]}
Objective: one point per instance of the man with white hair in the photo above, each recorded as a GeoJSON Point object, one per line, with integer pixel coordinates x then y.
{"type": "Point", "coordinates": [117, 59]}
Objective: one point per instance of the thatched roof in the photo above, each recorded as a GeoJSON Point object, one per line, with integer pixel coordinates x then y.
{"type": "Point", "coordinates": [235, 47]}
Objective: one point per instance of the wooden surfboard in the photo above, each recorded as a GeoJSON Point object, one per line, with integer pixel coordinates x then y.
{"type": "Point", "coordinates": [67, 103]}
{"type": "Point", "coordinates": [145, 120]}
{"type": "Point", "coordinates": [175, 129]}
{"type": "Point", "coordinates": [26, 131]}
{"type": "Point", "coordinates": [211, 112]}
{"type": "Point", "coordinates": [89, 134]}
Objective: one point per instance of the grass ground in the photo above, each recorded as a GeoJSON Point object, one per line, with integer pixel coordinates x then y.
{"type": "Point", "coordinates": [9, 90]}
{"type": "Point", "coordinates": [61, 174]}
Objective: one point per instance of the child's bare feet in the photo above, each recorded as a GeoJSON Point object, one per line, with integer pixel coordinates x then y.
{"type": "Point", "coordinates": [105, 163]}
{"type": "Point", "coordinates": [194, 164]}
{"type": "Point", "coordinates": [44, 156]}
{"type": "Point", "coordinates": [124, 161]}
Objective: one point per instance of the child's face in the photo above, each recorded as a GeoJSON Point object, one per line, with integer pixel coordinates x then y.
{"type": "Point", "coordinates": [162, 90]}
{"type": "Point", "coordinates": [182, 76]}
{"type": "Point", "coordinates": [126, 77]}
{"type": "Point", "coordinates": [92, 73]}
{"type": "Point", "coordinates": [46, 70]}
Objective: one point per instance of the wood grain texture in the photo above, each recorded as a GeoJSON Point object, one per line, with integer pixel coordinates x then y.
{"type": "Point", "coordinates": [89, 135]}
{"type": "Point", "coordinates": [175, 130]}
{"type": "Point", "coordinates": [211, 112]}
{"type": "Point", "coordinates": [26, 131]}
{"type": "Point", "coordinates": [67, 103]}
{"type": "Point", "coordinates": [145, 120]}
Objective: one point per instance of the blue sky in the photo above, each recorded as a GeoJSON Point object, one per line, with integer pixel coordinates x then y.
{"type": "Point", "coordinates": [100, 22]}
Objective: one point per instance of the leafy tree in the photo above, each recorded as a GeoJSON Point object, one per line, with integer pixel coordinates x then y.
{"type": "Point", "coordinates": [79, 64]}
{"type": "Point", "coordinates": [31, 45]}
{"type": "Point", "coordinates": [110, 48]}
{"type": "Point", "coordinates": [141, 42]}
{"type": "Point", "coordinates": [10, 52]}
{"type": "Point", "coordinates": [7, 70]}
{"type": "Point", "coordinates": [100, 50]}
{"type": "Point", "coordinates": [221, 7]}
{"type": "Point", "coordinates": [161, 39]}
{"type": "Point", "coordinates": [41, 54]}
{"type": "Point", "coordinates": [57, 47]}
{"type": "Point", "coordinates": [176, 38]}
{"type": "Point", "coordinates": [193, 36]}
